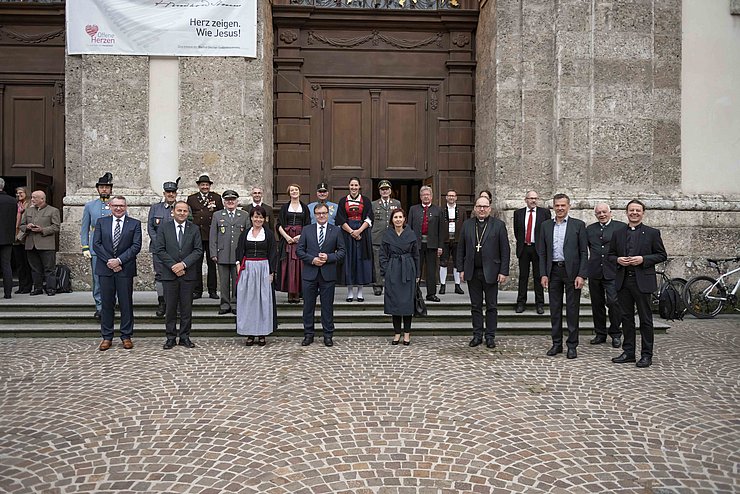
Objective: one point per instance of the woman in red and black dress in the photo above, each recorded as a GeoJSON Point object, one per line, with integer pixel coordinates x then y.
{"type": "Point", "coordinates": [293, 217]}
{"type": "Point", "coordinates": [355, 218]}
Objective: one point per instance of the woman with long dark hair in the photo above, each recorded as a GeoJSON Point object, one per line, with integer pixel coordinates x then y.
{"type": "Point", "coordinates": [355, 217]}
{"type": "Point", "coordinates": [294, 215]}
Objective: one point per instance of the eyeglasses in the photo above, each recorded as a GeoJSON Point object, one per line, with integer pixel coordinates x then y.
{"type": "Point", "coordinates": [321, 214]}
{"type": "Point", "coordinates": [118, 205]}
{"type": "Point", "coordinates": [482, 207]}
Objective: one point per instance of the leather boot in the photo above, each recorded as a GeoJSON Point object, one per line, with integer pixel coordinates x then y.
{"type": "Point", "coordinates": [161, 309]}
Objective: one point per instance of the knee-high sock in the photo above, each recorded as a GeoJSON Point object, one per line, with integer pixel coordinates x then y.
{"type": "Point", "coordinates": [456, 274]}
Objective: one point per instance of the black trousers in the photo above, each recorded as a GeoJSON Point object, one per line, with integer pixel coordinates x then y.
{"type": "Point", "coordinates": [603, 295]}
{"type": "Point", "coordinates": [397, 320]}
{"type": "Point", "coordinates": [629, 296]}
{"type": "Point", "coordinates": [6, 253]}
{"type": "Point", "coordinates": [178, 292]}
{"type": "Point", "coordinates": [560, 283]}
{"type": "Point", "coordinates": [428, 261]}
{"type": "Point", "coordinates": [477, 287]}
{"type": "Point", "coordinates": [112, 287]}
{"type": "Point", "coordinates": [529, 257]}
{"type": "Point", "coordinates": [211, 282]}
{"type": "Point", "coordinates": [325, 290]}
{"type": "Point", "coordinates": [23, 270]}
{"type": "Point", "coordinates": [42, 264]}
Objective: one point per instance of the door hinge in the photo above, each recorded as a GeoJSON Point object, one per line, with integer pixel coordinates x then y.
{"type": "Point", "coordinates": [323, 104]}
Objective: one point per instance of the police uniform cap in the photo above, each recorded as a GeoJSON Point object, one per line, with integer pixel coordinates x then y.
{"type": "Point", "coordinates": [230, 194]}
{"type": "Point", "coordinates": [322, 187]}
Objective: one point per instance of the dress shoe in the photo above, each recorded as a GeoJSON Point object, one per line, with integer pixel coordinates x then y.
{"type": "Point", "coordinates": [519, 308]}
{"type": "Point", "coordinates": [571, 353]}
{"type": "Point", "coordinates": [21, 292]}
{"type": "Point", "coordinates": [186, 343]}
{"type": "Point", "coordinates": [623, 359]}
{"type": "Point", "coordinates": [598, 339]}
{"type": "Point", "coordinates": [7, 296]}
{"type": "Point", "coordinates": [197, 296]}
{"type": "Point", "coordinates": [349, 299]}
{"type": "Point", "coordinates": [127, 344]}
{"type": "Point", "coordinates": [540, 309]}
{"type": "Point", "coordinates": [213, 295]}
{"type": "Point", "coordinates": [223, 311]}
{"type": "Point", "coordinates": [554, 350]}
{"type": "Point", "coordinates": [104, 345]}
{"type": "Point", "coordinates": [360, 299]}
{"type": "Point", "coordinates": [459, 290]}
{"type": "Point", "coordinates": [261, 341]}
{"type": "Point", "coordinates": [328, 341]}
{"type": "Point", "coordinates": [491, 343]}
{"type": "Point", "coordinates": [36, 292]}
{"type": "Point", "coordinates": [161, 308]}
{"type": "Point", "coordinates": [433, 298]}
{"type": "Point", "coordinates": [475, 341]}
{"type": "Point", "coordinates": [307, 341]}
{"type": "Point", "coordinates": [377, 291]}
{"type": "Point", "coordinates": [396, 339]}
{"type": "Point", "coordinates": [616, 341]}
{"type": "Point", "coordinates": [51, 293]}
{"type": "Point", "coordinates": [645, 361]}
{"type": "Point", "coordinates": [169, 344]}
{"type": "Point", "coordinates": [250, 341]}
{"type": "Point", "coordinates": [442, 289]}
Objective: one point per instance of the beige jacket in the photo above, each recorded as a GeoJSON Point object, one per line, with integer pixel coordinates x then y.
{"type": "Point", "coordinates": [48, 219]}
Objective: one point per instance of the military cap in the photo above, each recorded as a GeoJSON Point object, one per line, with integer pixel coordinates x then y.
{"type": "Point", "coordinates": [230, 194]}
{"type": "Point", "coordinates": [106, 179]}
{"type": "Point", "coordinates": [383, 184]}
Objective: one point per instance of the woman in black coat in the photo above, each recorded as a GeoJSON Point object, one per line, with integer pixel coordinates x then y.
{"type": "Point", "coordinates": [399, 264]}
{"type": "Point", "coordinates": [355, 217]}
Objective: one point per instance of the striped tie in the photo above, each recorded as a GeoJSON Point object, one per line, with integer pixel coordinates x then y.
{"type": "Point", "coordinates": [116, 236]}
{"type": "Point", "coordinates": [321, 236]}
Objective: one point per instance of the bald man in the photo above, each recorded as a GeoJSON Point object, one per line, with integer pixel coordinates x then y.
{"type": "Point", "coordinates": [40, 224]}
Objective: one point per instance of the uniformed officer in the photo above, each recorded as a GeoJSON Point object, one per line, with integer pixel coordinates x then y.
{"type": "Point", "coordinates": [226, 227]}
{"type": "Point", "coordinates": [382, 209]}
{"type": "Point", "coordinates": [94, 210]}
{"type": "Point", "coordinates": [322, 196]}
{"type": "Point", "coordinates": [159, 213]}
{"type": "Point", "coordinates": [203, 204]}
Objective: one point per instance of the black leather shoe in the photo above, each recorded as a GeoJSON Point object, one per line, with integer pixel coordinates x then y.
{"type": "Point", "coordinates": [186, 343]}
{"type": "Point", "coordinates": [169, 344]}
{"type": "Point", "coordinates": [491, 343]}
{"type": "Point", "coordinates": [377, 291]}
{"type": "Point", "coordinates": [36, 292]}
{"type": "Point", "coordinates": [475, 341]}
{"type": "Point", "coordinates": [51, 293]}
{"type": "Point", "coordinates": [598, 340]}
{"type": "Point", "coordinates": [540, 309]}
{"type": "Point", "coordinates": [616, 341]}
{"type": "Point", "coordinates": [197, 296]}
{"type": "Point", "coordinates": [645, 361]}
{"type": "Point", "coordinates": [572, 353]}
{"type": "Point", "coordinates": [223, 311]}
{"type": "Point", "coordinates": [459, 290]}
{"type": "Point", "coordinates": [519, 308]}
{"type": "Point", "coordinates": [213, 295]}
{"type": "Point", "coordinates": [233, 311]}
{"type": "Point", "coordinates": [328, 341]}
{"type": "Point", "coordinates": [349, 299]}
{"type": "Point", "coordinates": [307, 341]}
{"type": "Point", "coordinates": [250, 341]}
{"type": "Point", "coordinates": [623, 359]}
{"type": "Point", "coordinates": [395, 341]}
{"type": "Point", "coordinates": [261, 341]}
{"type": "Point", "coordinates": [21, 292]}
{"type": "Point", "coordinates": [554, 350]}
{"type": "Point", "coordinates": [442, 289]}
{"type": "Point", "coordinates": [360, 299]}
{"type": "Point", "coordinates": [433, 298]}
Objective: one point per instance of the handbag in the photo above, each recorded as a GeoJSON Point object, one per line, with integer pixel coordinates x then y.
{"type": "Point", "coordinates": [420, 306]}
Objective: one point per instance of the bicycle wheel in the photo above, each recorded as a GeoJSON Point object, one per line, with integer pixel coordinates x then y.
{"type": "Point", "coordinates": [679, 284]}
{"type": "Point", "coordinates": [703, 297]}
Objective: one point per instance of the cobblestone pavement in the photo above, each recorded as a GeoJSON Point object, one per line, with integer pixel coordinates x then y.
{"type": "Point", "coordinates": [367, 417]}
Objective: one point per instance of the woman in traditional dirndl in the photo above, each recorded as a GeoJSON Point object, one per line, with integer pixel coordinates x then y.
{"type": "Point", "coordinates": [355, 218]}
{"type": "Point", "coordinates": [293, 216]}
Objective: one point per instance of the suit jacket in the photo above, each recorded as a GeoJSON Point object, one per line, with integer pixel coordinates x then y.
{"type": "Point", "coordinates": [129, 246]}
{"type": "Point", "coordinates": [308, 248]}
{"type": "Point", "coordinates": [520, 226]}
{"type": "Point", "coordinates": [437, 233]}
{"type": "Point", "coordinates": [169, 252]}
{"type": "Point", "coordinates": [575, 248]}
{"type": "Point", "coordinates": [48, 219]}
{"type": "Point", "coordinates": [495, 249]}
{"type": "Point", "coordinates": [649, 246]}
{"type": "Point", "coordinates": [269, 221]}
{"type": "Point", "coordinates": [224, 235]}
{"type": "Point", "coordinates": [202, 215]}
{"type": "Point", "coordinates": [460, 216]}
{"type": "Point", "coordinates": [599, 266]}
{"type": "Point", "coordinates": [8, 212]}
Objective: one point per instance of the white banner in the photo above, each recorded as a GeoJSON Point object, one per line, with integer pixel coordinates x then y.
{"type": "Point", "coordinates": [162, 27]}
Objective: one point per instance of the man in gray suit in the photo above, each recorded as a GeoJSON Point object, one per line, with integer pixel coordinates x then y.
{"type": "Point", "coordinates": [562, 247]}
{"type": "Point", "coordinates": [40, 224]}
{"type": "Point", "coordinates": [226, 227]}
{"type": "Point", "coordinates": [179, 248]}
{"type": "Point", "coordinates": [382, 209]}
{"type": "Point", "coordinates": [425, 221]}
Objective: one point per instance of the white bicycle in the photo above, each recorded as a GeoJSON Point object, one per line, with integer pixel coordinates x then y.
{"type": "Point", "coordinates": [705, 297]}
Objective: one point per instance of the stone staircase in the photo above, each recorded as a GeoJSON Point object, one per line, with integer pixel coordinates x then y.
{"type": "Point", "coordinates": [71, 315]}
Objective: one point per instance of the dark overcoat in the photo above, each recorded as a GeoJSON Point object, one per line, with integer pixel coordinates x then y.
{"type": "Point", "coordinates": [399, 264]}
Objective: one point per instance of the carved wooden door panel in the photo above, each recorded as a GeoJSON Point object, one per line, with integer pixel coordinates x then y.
{"type": "Point", "coordinates": [28, 129]}
{"type": "Point", "coordinates": [402, 134]}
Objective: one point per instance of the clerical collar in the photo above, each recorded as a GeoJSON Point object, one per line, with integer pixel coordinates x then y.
{"type": "Point", "coordinates": [637, 227]}
{"type": "Point", "coordinates": [483, 220]}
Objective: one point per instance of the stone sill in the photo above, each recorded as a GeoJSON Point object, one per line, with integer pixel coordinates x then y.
{"type": "Point", "coordinates": [701, 202]}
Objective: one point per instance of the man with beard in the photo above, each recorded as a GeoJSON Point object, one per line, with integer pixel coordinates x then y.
{"type": "Point", "coordinates": [203, 204]}
{"type": "Point", "coordinates": [94, 210]}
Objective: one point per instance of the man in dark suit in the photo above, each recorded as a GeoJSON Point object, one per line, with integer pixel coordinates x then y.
{"type": "Point", "coordinates": [179, 247]}
{"type": "Point", "coordinates": [636, 250]}
{"type": "Point", "coordinates": [8, 214]}
{"type": "Point", "coordinates": [258, 200]}
{"type": "Point", "coordinates": [527, 222]}
{"type": "Point", "coordinates": [482, 259]}
{"type": "Point", "coordinates": [203, 204]}
{"type": "Point", "coordinates": [601, 274]}
{"type": "Point", "coordinates": [117, 242]}
{"type": "Point", "coordinates": [562, 247]}
{"type": "Point", "coordinates": [425, 221]}
{"type": "Point", "coordinates": [320, 248]}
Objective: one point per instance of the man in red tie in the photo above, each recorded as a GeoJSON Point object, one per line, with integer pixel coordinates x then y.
{"type": "Point", "coordinates": [527, 221]}
{"type": "Point", "coordinates": [425, 221]}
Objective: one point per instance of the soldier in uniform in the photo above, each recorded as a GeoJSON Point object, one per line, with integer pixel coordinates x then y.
{"type": "Point", "coordinates": [226, 227]}
{"type": "Point", "coordinates": [94, 210]}
{"type": "Point", "coordinates": [202, 205]}
{"type": "Point", "coordinates": [159, 213]}
{"type": "Point", "coordinates": [322, 197]}
{"type": "Point", "coordinates": [383, 209]}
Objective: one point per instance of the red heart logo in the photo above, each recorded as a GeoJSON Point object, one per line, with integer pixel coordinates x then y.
{"type": "Point", "coordinates": [91, 29]}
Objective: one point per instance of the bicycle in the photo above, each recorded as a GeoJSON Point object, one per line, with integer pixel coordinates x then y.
{"type": "Point", "coordinates": [705, 297]}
